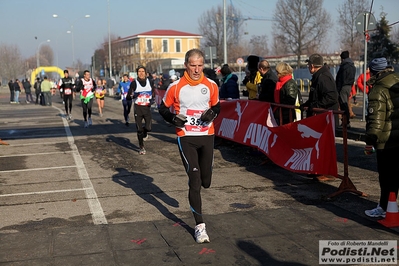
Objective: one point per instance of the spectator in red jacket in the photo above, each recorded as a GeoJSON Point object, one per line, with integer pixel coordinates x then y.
{"type": "Point", "coordinates": [360, 81]}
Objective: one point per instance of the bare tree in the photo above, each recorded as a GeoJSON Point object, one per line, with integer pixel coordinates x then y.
{"type": "Point", "coordinates": [30, 62]}
{"type": "Point", "coordinates": [152, 59]}
{"type": "Point", "coordinates": [278, 46]}
{"type": "Point", "coordinates": [11, 62]}
{"type": "Point", "coordinates": [46, 55]}
{"type": "Point", "coordinates": [211, 28]}
{"type": "Point", "coordinates": [258, 45]}
{"type": "Point", "coordinates": [301, 24]}
{"type": "Point", "coordinates": [115, 48]}
{"type": "Point", "coordinates": [350, 38]}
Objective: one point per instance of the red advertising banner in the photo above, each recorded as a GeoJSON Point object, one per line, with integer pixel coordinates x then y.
{"type": "Point", "coordinates": [158, 96]}
{"type": "Point", "coordinates": [306, 146]}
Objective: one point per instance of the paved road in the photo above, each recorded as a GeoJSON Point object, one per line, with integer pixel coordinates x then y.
{"type": "Point", "coordinates": [71, 195]}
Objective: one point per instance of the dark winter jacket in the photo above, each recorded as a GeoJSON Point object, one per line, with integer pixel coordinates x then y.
{"type": "Point", "coordinates": [382, 127]}
{"type": "Point", "coordinates": [229, 88]}
{"type": "Point", "coordinates": [11, 85]}
{"type": "Point", "coordinates": [323, 93]}
{"type": "Point", "coordinates": [288, 94]}
{"type": "Point", "coordinates": [267, 86]}
{"type": "Point", "coordinates": [16, 86]}
{"type": "Point", "coordinates": [346, 74]}
{"type": "Point", "coordinates": [37, 88]}
{"type": "Point", "coordinates": [27, 86]}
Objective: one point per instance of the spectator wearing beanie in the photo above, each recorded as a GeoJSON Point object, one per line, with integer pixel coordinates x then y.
{"type": "Point", "coordinates": [344, 81]}
{"type": "Point", "coordinates": [382, 129]}
{"type": "Point", "coordinates": [377, 65]}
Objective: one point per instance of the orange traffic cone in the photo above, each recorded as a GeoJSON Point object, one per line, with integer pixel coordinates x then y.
{"type": "Point", "coordinates": [392, 214]}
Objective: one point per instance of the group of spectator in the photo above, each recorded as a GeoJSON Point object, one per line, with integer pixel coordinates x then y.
{"type": "Point", "coordinates": [263, 84]}
{"type": "Point", "coordinates": [277, 86]}
{"type": "Point", "coordinates": [17, 87]}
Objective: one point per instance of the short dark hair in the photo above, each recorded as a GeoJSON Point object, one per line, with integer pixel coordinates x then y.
{"type": "Point", "coordinates": [344, 55]}
{"type": "Point", "coordinates": [315, 59]}
{"type": "Point", "coordinates": [141, 66]}
{"type": "Point", "coordinates": [225, 70]}
{"type": "Point", "coordinates": [66, 71]}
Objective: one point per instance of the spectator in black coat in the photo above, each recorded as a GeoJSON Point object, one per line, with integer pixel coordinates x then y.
{"type": "Point", "coordinates": [11, 87]}
{"type": "Point", "coordinates": [28, 91]}
{"type": "Point", "coordinates": [323, 93]}
{"type": "Point", "coordinates": [268, 82]}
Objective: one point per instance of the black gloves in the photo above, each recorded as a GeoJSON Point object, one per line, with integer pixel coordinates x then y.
{"type": "Point", "coordinates": [179, 120]}
{"type": "Point", "coordinates": [208, 115]}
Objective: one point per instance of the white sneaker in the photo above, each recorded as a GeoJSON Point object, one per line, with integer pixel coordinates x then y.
{"type": "Point", "coordinates": [90, 122]}
{"type": "Point", "coordinates": [70, 117]}
{"type": "Point", "coordinates": [200, 234]}
{"type": "Point", "coordinates": [377, 212]}
{"type": "Point", "coordinates": [142, 151]}
{"type": "Point", "coordinates": [86, 124]}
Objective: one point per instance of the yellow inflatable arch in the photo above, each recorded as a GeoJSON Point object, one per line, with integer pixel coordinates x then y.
{"type": "Point", "coordinates": [46, 69]}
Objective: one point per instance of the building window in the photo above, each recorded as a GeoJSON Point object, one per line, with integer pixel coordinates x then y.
{"type": "Point", "coordinates": [136, 47]}
{"type": "Point", "coordinates": [149, 46]}
{"type": "Point", "coordinates": [165, 47]}
{"type": "Point", "coordinates": [178, 46]}
{"type": "Point", "coordinates": [131, 47]}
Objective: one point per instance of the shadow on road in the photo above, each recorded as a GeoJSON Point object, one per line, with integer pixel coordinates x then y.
{"type": "Point", "coordinates": [261, 255]}
{"type": "Point", "coordinates": [143, 186]}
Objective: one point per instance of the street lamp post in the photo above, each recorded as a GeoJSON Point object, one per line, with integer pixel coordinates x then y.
{"type": "Point", "coordinates": [109, 44]}
{"type": "Point", "coordinates": [37, 53]}
{"type": "Point", "coordinates": [71, 25]}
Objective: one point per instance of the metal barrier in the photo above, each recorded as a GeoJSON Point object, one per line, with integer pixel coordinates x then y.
{"type": "Point", "coordinates": [300, 85]}
{"type": "Point", "coordinates": [346, 184]}
{"type": "Point", "coordinates": [306, 84]}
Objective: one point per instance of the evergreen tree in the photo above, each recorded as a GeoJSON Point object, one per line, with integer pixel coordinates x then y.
{"type": "Point", "coordinates": [380, 44]}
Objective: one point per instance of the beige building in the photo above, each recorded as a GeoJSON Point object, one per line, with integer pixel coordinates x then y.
{"type": "Point", "coordinates": [158, 50]}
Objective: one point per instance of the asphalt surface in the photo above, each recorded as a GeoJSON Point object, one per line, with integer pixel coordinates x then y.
{"type": "Point", "coordinates": [71, 195]}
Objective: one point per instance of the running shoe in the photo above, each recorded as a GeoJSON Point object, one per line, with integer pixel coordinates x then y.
{"type": "Point", "coordinates": [142, 151]}
{"type": "Point", "coordinates": [70, 117]}
{"type": "Point", "coordinates": [377, 212]}
{"type": "Point", "coordinates": [86, 124]}
{"type": "Point", "coordinates": [90, 122]}
{"type": "Point", "coordinates": [200, 234]}
{"type": "Point", "coordinates": [127, 124]}
{"type": "Point", "coordinates": [146, 137]}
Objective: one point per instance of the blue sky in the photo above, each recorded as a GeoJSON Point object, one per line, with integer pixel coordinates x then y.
{"type": "Point", "coordinates": [22, 20]}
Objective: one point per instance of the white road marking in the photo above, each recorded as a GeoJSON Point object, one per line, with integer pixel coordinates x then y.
{"type": "Point", "coordinates": [37, 143]}
{"type": "Point", "coordinates": [42, 192]}
{"type": "Point", "coordinates": [38, 169]}
{"type": "Point", "coordinates": [34, 154]}
{"type": "Point", "coordinates": [96, 210]}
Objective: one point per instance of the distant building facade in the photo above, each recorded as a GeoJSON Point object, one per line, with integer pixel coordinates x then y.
{"type": "Point", "coordinates": [158, 50]}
